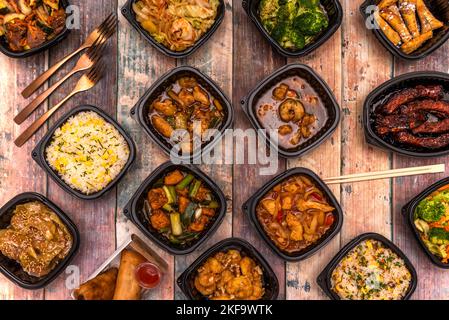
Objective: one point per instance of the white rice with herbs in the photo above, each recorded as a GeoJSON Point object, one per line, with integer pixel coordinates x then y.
{"type": "Point", "coordinates": [87, 152]}
{"type": "Point", "coordinates": [371, 271]}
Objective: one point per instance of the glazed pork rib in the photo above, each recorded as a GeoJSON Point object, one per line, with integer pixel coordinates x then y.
{"type": "Point", "coordinates": [432, 127]}
{"type": "Point", "coordinates": [399, 122]}
{"type": "Point", "coordinates": [440, 108]}
{"type": "Point", "coordinates": [406, 96]}
{"type": "Point", "coordinates": [428, 142]}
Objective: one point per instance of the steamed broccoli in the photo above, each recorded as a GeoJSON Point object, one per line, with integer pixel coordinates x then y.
{"type": "Point", "coordinates": [438, 236]}
{"type": "Point", "coordinates": [430, 210]}
{"type": "Point", "coordinates": [311, 22]}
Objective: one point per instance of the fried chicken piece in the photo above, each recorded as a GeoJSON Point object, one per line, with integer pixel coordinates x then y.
{"type": "Point", "coordinates": [173, 178]}
{"type": "Point", "coordinates": [159, 220]}
{"type": "Point", "coordinates": [157, 198]}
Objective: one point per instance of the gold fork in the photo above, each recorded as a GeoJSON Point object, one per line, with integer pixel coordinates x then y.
{"type": "Point", "coordinates": [86, 82]}
{"type": "Point", "coordinates": [86, 61]}
{"type": "Point", "coordinates": [103, 32]}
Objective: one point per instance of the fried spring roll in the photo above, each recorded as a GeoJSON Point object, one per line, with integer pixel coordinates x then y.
{"type": "Point", "coordinates": [99, 288]}
{"type": "Point", "coordinates": [394, 19]}
{"type": "Point", "coordinates": [427, 19]}
{"type": "Point", "coordinates": [127, 287]}
{"type": "Point", "coordinates": [408, 11]}
{"type": "Point", "coordinates": [416, 43]}
{"type": "Point", "coordinates": [386, 3]}
{"type": "Point", "coordinates": [388, 31]}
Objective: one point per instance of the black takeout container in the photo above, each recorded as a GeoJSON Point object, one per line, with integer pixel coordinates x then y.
{"type": "Point", "coordinates": [10, 268]}
{"type": "Point", "coordinates": [134, 210]}
{"type": "Point", "coordinates": [333, 9]}
{"type": "Point", "coordinates": [439, 8]}
{"type": "Point", "coordinates": [249, 105]}
{"type": "Point", "coordinates": [186, 280]}
{"type": "Point", "coordinates": [129, 14]}
{"type": "Point", "coordinates": [381, 94]}
{"type": "Point", "coordinates": [324, 279]}
{"type": "Point", "coordinates": [12, 54]}
{"type": "Point", "coordinates": [38, 153]}
{"type": "Point", "coordinates": [142, 107]}
{"type": "Point", "coordinates": [249, 207]}
{"type": "Point", "coordinates": [409, 212]}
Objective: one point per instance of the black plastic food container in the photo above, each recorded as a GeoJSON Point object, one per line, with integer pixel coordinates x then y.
{"type": "Point", "coordinates": [333, 9]}
{"type": "Point", "coordinates": [64, 33]}
{"type": "Point", "coordinates": [381, 94]}
{"type": "Point", "coordinates": [141, 109]}
{"type": "Point", "coordinates": [38, 153]}
{"type": "Point", "coordinates": [439, 8]}
{"type": "Point", "coordinates": [249, 207]}
{"type": "Point", "coordinates": [324, 279]}
{"type": "Point", "coordinates": [134, 210]}
{"type": "Point", "coordinates": [129, 14]}
{"type": "Point", "coordinates": [10, 268]}
{"type": "Point", "coordinates": [249, 105]}
{"type": "Point", "coordinates": [271, 284]}
{"type": "Point", "coordinates": [409, 212]}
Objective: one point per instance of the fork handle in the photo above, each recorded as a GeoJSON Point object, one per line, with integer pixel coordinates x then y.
{"type": "Point", "coordinates": [31, 130]}
{"type": "Point", "coordinates": [37, 83]}
{"type": "Point", "coordinates": [28, 110]}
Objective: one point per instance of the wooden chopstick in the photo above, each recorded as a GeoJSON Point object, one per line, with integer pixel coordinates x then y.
{"type": "Point", "coordinates": [404, 172]}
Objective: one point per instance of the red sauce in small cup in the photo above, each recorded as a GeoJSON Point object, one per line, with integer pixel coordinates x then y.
{"type": "Point", "coordinates": [148, 275]}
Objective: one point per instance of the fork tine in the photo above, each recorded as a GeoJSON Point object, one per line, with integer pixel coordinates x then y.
{"type": "Point", "coordinates": [96, 51]}
{"type": "Point", "coordinates": [106, 22]}
{"type": "Point", "coordinates": [96, 72]}
{"type": "Point", "coordinates": [110, 24]}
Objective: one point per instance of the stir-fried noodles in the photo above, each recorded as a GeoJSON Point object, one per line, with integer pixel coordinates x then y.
{"type": "Point", "coordinates": [177, 24]}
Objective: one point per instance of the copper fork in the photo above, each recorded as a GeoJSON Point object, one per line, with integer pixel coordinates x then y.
{"type": "Point", "coordinates": [86, 61]}
{"type": "Point", "coordinates": [86, 82]}
{"type": "Point", "coordinates": [101, 34]}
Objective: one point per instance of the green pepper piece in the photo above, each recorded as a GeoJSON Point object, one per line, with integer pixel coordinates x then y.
{"type": "Point", "coordinates": [188, 214]}
{"type": "Point", "coordinates": [196, 187]}
{"type": "Point", "coordinates": [185, 182]}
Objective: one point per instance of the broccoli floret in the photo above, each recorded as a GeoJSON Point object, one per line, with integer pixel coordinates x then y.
{"type": "Point", "coordinates": [311, 22]}
{"type": "Point", "coordinates": [288, 10]}
{"type": "Point", "coordinates": [296, 38]}
{"type": "Point", "coordinates": [438, 236]}
{"type": "Point", "coordinates": [430, 210]}
{"type": "Point", "coordinates": [280, 32]}
{"type": "Point", "coordinates": [310, 3]}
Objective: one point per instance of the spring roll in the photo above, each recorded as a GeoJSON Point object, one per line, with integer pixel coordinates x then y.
{"type": "Point", "coordinates": [392, 35]}
{"type": "Point", "coordinates": [386, 3]}
{"type": "Point", "coordinates": [427, 19]}
{"type": "Point", "coordinates": [394, 19]}
{"type": "Point", "coordinates": [101, 287]}
{"type": "Point", "coordinates": [408, 11]}
{"type": "Point", "coordinates": [127, 287]}
{"type": "Point", "coordinates": [416, 43]}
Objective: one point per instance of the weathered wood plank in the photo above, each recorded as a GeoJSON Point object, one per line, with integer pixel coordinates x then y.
{"type": "Point", "coordinates": [301, 276]}
{"type": "Point", "coordinates": [430, 276]}
{"type": "Point", "coordinates": [18, 172]}
{"type": "Point", "coordinates": [254, 60]}
{"type": "Point", "coordinates": [366, 64]}
{"type": "Point", "coordinates": [215, 60]}
{"type": "Point", "coordinates": [140, 65]}
{"type": "Point", "coordinates": [94, 219]}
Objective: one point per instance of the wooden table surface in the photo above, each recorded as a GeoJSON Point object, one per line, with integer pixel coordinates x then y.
{"type": "Point", "coordinates": [237, 57]}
